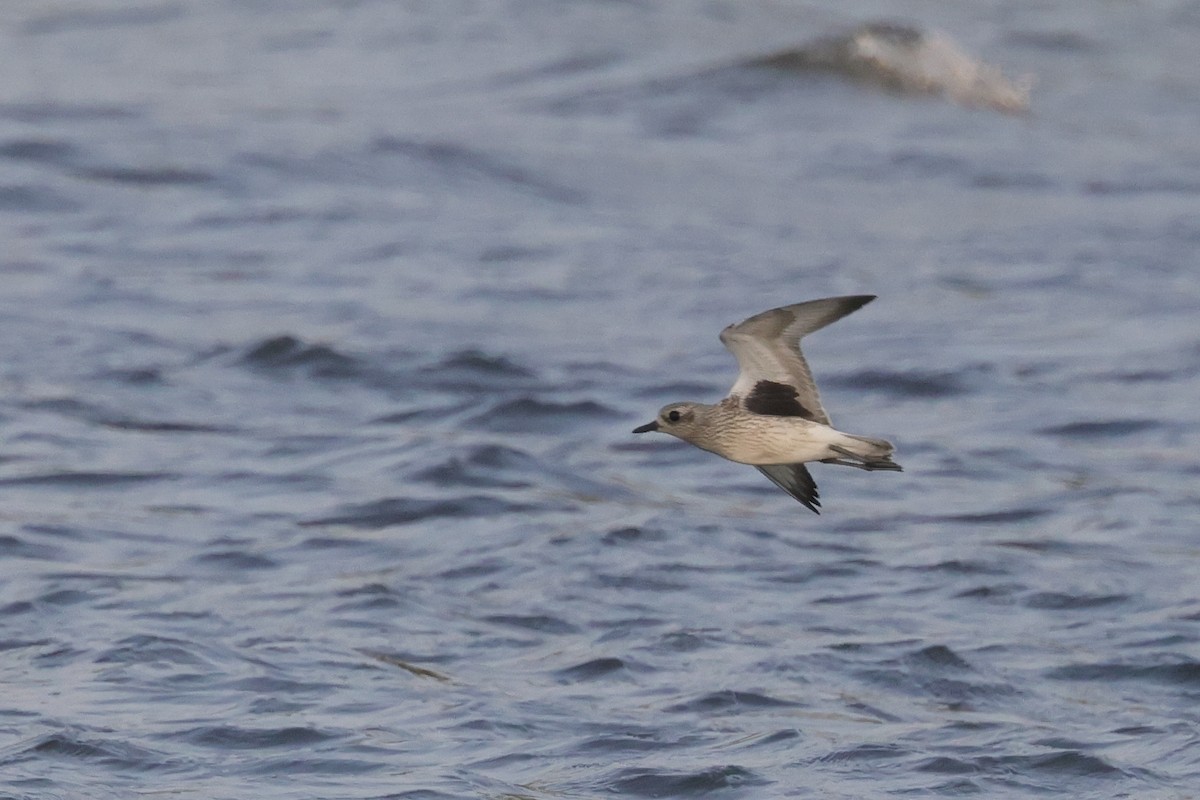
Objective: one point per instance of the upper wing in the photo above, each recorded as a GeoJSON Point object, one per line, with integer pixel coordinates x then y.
{"type": "Point", "coordinates": [774, 377]}
{"type": "Point", "coordinates": [796, 480]}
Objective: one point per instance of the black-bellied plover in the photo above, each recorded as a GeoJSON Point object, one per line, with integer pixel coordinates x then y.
{"type": "Point", "coordinates": [772, 418]}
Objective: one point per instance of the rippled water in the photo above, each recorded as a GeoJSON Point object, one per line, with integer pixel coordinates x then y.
{"type": "Point", "coordinates": [325, 326]}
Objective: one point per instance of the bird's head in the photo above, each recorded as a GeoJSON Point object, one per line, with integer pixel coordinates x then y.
{"type": "Point", "coordinates": [677, 419]}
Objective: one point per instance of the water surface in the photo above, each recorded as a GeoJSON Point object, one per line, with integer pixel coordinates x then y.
{"type": "Point", "coordinates": [325, 326]}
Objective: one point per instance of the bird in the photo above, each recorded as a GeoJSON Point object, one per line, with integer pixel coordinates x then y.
{"type": "Point", "coordinates": [772, 418]}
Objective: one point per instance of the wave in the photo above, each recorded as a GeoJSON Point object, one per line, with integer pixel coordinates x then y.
{"type": "Point", "coordinates": [904, 59]}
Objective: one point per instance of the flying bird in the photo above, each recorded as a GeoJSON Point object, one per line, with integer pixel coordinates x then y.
{"type": "Point", "coordinates": [773, 418]}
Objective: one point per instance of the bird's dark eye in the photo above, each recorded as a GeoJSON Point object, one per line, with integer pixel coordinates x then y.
{"type": "Point", "coordinates": [673, 415]}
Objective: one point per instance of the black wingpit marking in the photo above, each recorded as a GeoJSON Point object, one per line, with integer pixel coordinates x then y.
{"type": "Point", "coordinates": [776, 400]}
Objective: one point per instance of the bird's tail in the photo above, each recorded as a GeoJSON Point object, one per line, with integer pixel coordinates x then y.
{"type": "Point", "coordinates": [864, 452]}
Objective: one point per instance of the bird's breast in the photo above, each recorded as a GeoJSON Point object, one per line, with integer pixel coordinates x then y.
{"type": "Point", "coordinates": [762, 439]}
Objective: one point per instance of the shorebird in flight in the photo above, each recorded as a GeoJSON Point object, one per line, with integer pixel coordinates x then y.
{"type": "Point", "coordinates": [772, 418]}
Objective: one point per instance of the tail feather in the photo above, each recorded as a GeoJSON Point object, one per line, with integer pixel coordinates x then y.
{"type": "Point", "coordinates": [866, 453]}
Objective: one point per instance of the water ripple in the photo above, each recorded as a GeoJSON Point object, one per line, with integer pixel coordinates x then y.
{"type": "Point", "coordinates": [409, 510]}
{"type": "Point", "coordinates": [671, 783]}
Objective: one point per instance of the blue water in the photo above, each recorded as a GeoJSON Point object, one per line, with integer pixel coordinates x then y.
{"type": "Point", "coordinates": [325, 326]}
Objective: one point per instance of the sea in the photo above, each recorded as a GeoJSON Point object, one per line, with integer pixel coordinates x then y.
{"type": "Point", "coordinates": [324, 325]}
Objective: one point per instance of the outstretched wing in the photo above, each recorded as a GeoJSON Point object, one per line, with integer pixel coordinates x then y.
{"type": "Point", "coordinates": [774, 378]}
{"type": "Point", "coordinates": [796, 480]}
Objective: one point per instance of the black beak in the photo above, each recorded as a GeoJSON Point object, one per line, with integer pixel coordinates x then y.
{"type": "Point", "coordinates": [649, 426]}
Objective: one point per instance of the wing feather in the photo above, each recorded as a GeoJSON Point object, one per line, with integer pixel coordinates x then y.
{"type": "Point", "coordinates": [796, 480]}
{"type": "Point", "coordinates": [767, 348]}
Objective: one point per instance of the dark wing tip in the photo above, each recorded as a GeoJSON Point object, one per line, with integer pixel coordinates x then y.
{"type": "Point", "coordinates": [856, 301]}
{"type": "Point", "coordinates": [796, 480]}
